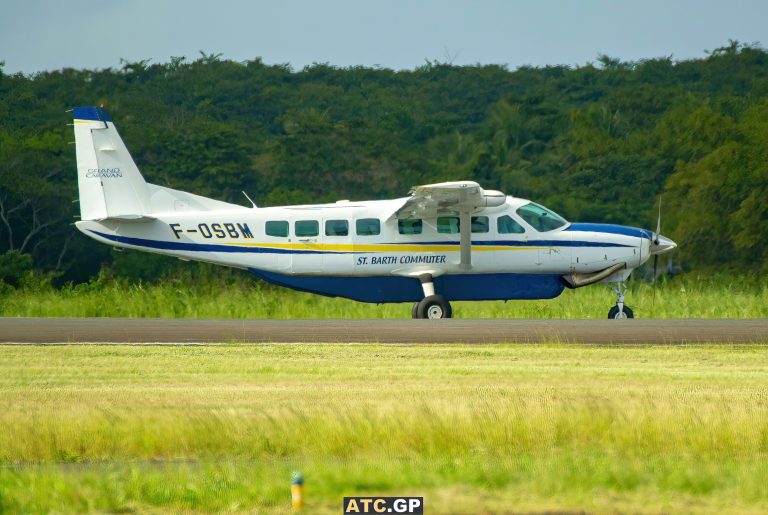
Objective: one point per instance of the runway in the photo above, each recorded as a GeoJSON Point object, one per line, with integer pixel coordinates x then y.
{"type": "Point", "coordinates": [223, 331]}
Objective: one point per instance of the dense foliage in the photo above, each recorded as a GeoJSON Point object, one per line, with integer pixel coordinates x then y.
{"type": "Point", "coordinates": [597, 143]}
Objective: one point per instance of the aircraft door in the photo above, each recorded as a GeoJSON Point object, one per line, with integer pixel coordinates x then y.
{"type": "Point", "coordinates": [336, 233]}
{"type": "Point", "coordinates": [512, 235]}
{"type": "Point", "coordinates": [366, 235]}
{"type": "Point", "coordinates": [307, 257]}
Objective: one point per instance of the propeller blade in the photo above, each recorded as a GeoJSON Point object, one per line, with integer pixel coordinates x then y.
{"type": "Point", "coordinates": [655, 267]}
{"type": "Point", "coordinates": [658, 225]}
{"type": "Point", "coordinates": [656, 258]}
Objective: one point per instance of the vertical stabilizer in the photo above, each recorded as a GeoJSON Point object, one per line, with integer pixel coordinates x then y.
{"type": "Point", "coordinates": [110, 184]}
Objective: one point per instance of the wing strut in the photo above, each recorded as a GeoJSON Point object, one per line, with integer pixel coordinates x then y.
{"type": "Point", "coordinates": [465, 233]}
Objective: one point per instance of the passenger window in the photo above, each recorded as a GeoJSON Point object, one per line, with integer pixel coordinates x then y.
{"type": "Point", "coordinates": [448, 224]}
{"type": "Point", "coordinates": [507, 225]}
{"type": "Point", "coordinates": [307, 228]}
{"type": "Point", "coordinates": [277, 228]}
{"type": "Point", "coordinates": [480, 224]}
{"type": "Point", "coordinates": [336, 228]}
{"type": "Point", "coordinates": [409, 226]}
{"type": "Point", "coordinates": [368, 226]}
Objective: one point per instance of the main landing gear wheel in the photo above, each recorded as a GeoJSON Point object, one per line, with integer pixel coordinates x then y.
{"type": "Point", "coordinates": [624, 313]}
{"type": "Point", "coordinates": [415, 310]}
{"type": "Point", "coordinates": [434, 307]}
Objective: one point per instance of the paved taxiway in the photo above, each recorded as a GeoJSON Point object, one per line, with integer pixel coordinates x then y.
{"type": "Point", "coordinates": [192, 331]}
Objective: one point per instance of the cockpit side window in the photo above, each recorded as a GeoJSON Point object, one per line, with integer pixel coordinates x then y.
{"type": "Point", "coordinates": [540, 218]}
{"type": "Point", "coordinates": [507, 225]}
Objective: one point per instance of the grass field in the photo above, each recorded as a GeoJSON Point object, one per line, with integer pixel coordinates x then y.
{"type": "Point", "coordinates": [474, 429]}
{"type": "Point", "coordinates": [188, 297]}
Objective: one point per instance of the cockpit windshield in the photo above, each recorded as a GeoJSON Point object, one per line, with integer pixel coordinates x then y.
{"type": "Point", "coordinates": [540, 218]}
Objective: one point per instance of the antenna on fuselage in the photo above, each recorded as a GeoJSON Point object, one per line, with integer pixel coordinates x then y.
{"type": "Point", "coordinates": [250, 200]}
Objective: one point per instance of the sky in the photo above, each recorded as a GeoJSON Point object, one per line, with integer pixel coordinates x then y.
{"type": "Point", "coordinates": [38, 35]}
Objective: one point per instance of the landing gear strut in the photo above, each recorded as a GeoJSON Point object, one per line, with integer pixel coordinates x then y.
{"type": "Point", "coordinates": [620, 310]}
{"type": "Point", "coordinates": [432, 306]}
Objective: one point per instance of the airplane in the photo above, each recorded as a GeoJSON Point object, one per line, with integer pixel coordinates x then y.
{"type": "Point", "coordinates": [445, 242]}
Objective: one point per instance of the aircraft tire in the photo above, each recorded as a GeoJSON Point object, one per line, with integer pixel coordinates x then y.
{"type": "Point", "coordinates": [614, 313]}
{"type": "Point", "coordinates": [434, 306]}
{"type": "Point", "coordinates": [415, 310]}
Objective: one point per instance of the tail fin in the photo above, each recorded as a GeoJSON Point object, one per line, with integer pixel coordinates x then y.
{"type": "Point", "coordinates": [111, 185]}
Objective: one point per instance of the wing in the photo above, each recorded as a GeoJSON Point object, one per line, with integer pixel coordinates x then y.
{"type": "Point", "coordinates": [462, 197]}
{"type": "Point", "coordinates": [446, 197]}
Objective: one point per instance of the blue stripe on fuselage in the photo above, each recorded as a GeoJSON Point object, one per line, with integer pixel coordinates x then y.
{"type": "Point", "coordinates": [199, 247]}
{"type": "Point", "coordinates": [213, 247]}
{"type": "Point", "coordinates": [611, 229]}
{"type": "Point", "coordinates": [521, 243]}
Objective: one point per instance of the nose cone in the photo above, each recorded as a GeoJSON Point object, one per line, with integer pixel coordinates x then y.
{"type": "Point", "coordinates": [662, 245]}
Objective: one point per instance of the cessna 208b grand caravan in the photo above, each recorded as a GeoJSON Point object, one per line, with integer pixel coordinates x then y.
{"type": "Point", "coordinates": [445, 242]}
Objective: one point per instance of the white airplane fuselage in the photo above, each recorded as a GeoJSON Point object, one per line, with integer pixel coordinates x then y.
{"type": "Point", "coordinates": [504, 265]}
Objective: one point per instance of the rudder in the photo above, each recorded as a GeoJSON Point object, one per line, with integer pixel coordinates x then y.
{"type": "Point", "coordinates": [110, 184]}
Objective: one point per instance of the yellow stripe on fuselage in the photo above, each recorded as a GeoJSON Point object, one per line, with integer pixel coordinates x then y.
{"type": "Point", "coordinates": [349, 247]}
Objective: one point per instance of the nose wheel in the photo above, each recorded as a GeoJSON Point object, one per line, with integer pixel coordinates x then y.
{"type": "Point", "coordinates": [620, 311]}
{"type": "Point", "coordinates": [624, 312]}
{"type": "Point", "coordinates": [432, 306]}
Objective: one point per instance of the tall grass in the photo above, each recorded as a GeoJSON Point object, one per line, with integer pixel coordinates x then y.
{"type": "Point", "coordinates": [681, 297]}
{"type": "Point", "coordinates": [473, 428]}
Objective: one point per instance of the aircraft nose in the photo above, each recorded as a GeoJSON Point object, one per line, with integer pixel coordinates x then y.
{"type": "Point", "coordinates": [662, 245]}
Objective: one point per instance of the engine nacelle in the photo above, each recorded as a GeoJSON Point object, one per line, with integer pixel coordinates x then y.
{"type": "Point", "coordinates": [493, 198]}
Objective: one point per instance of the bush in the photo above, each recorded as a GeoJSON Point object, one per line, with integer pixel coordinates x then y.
{"type": "Point", "coordinates": [13, 266]}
